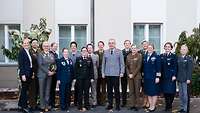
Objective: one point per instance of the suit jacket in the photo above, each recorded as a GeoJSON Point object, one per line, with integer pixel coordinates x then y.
{"type": "Point", "coordinates": [24, 63]}
{"type": "Point", "coordinates": [152, 66]}
{"type": "Point", "coordinates": [185, 66]}
{"type": "Point", "coordinates": [65, 71]}
{"type": "Point", "coordinates": [44, 61]}
{"type": "Point", "coordinates": [168, 70]}
{"type": "Point", "coordinates": [74, 56]}
{"type": "Point", "coordinates": [125, 54]}
{"type": "Point", "coordinates": [95, 60]}
{"type": "Point", "coordinates": [113, 64]}
{"type": "Point", "coordinates": [84, 68]}
{"type": "Point", "coordinates": [133, 65]}
{"type": "Point", "coordinates": [168, 66]}
{"type": "Point", "coordinates": [34, 55]}
{"type": "Point", "coordinates": [100, 54]}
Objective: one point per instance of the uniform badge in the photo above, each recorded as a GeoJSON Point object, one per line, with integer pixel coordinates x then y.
{"type": "Point", "coordinates": [153, 59]}
{"type": "Point", "coordinates": [63, 63]}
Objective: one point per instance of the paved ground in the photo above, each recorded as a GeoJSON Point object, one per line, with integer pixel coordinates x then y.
{"type": "Point", "coordinates": [10, 106]}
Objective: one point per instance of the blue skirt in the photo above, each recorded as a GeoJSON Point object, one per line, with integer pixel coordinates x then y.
{"type": "Point", "coordinates": [151, 88]}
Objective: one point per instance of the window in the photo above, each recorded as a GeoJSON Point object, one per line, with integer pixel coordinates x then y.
{"type": "Point", "coordinates": [149, 32]}
{"type": "Point", "coordinates": [68, 33]}
{"type": "Point", "coordinates": [5, 39]}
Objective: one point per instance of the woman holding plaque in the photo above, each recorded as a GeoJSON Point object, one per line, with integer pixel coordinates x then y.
{"type": "Point", "coordinates": [46, 70]}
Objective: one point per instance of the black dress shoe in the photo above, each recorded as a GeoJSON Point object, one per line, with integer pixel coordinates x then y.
{"type": "Point", "coordinates": [131, 108]}
{"type": "Point", "coordinates": [181, 111]}
{"type": "Point", "coordinates": [123, 105]}
{"type": "Point", "coordinates": [117, 108]}
{"type": "Point", "coordinates": [136, 109]}
{"type": "Point", "coordinates": [109, 107]}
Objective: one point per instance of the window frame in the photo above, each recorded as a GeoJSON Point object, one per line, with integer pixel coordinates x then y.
{"type": "Point", "coordinates": [7, 62]}
{"type": "Point", "coordinates": [146, 32]}
{"type": "Point", "coordinates": [73, 33]}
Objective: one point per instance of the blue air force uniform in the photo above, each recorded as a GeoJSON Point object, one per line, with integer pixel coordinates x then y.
{"type": "Point", "coordinates": [151, 69]}
{"type": "Point", "coordinates": [168, 70]}
{"type": "Point", "coordinates": [64, 74]}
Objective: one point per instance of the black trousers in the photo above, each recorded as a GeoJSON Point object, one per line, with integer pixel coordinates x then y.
{"type": "Point", "coordinates": [24, 93]}
{"type": "Point", "coordinates": [53, 91]}
{"type": "Point", "coordinates": [169, 98]}
{"type": "Point", "coordinates": [33, 92]}
{"type": "Point", "coordinates": [124, 82]}
{"type": "Point", "coordinates": [113, 83]}
{"type": "Point", "coordinates": [83, 92]}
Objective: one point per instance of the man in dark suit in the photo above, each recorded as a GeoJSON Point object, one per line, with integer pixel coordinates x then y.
{"type": "Point", "coordinates": [25, 73]}
{"type": "Point", "coordinates": [84, 75]}
{"type": "Point", "coordinates": [124, 81]}
{"type": "Point", "coordinates": [34, 84]}
{"type": "Point", "coordinates": [53, 50]}
{"type": "Point", "coordinates": [73, 54]}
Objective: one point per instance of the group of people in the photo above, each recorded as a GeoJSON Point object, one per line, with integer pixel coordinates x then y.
{"type": "Point", "coordinates": [102, 71]}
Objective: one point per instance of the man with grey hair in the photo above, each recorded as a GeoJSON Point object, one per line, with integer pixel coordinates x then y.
{"type": "Point", "coordinates": [113, 69]}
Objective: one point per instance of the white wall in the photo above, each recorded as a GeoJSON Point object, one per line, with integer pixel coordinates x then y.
{"type": "Point", "coordinates": [198, 12]}
{"type": "Point", "coordinates": [181, 16]}
{"type": "Point", "coordinates": [112, 20]}
{"type": "Point", "coordinates": [148, 11]}
{"type": "Point", "coordinates": [35, 9]}
{"type": "Point", "coordinates": [72, 12]}
{"type": "Point", "coordinates": [11, 11]}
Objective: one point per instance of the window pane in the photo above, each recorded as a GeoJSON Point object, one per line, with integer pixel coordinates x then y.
{"type": "Point", "coordinates": [138, 35]}
{"type": "Point", "coordinates": [80, 36]}
{"type": "Point", "coordinates": [154, 36]}
{"type": "Point", "coordinates": [64, 37]}
{"type": "Point", "coordinates": [2, 40]}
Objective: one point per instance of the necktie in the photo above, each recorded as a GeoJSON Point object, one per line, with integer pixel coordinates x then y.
{"type": "Point", "coordinates": [111, 52]}
{"type": "Point", "coordinates": [148, 57]}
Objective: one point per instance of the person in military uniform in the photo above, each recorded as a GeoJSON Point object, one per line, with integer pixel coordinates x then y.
{"type": "Point", "coordinates": [151, 69]}
{"type": "Point", "coordinates": [101, 82]}
{"type": "Point", "coordinates": [169, 73]}
{"type": "Point", "coordinates": [84, 75]}
{"type": "Point", "coordinates": [184, 77]}
{"type": "Point", "coordinates": [34, 85]}
{"type": "Point", "coordinates": [65, 72]}
{"type": "Point", "coordinates": [124, 79]}
{"type": "Point", "coordinates": [143, 51]}
{"type": "Point", "coordinates": [133, 67]}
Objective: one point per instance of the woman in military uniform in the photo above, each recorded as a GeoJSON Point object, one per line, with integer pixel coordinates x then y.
{"type": "Point", "coordinates": [84, 75]}
{"type": "Point", "coordinates": [168, 72]}
{"type": "Point", "coordinates": [152, 76]}
{"type": "Point", "coordinates": [64, 75]}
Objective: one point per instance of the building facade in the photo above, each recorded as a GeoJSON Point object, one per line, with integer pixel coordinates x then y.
{"type": "Point", "coordinates": [88, 21]}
